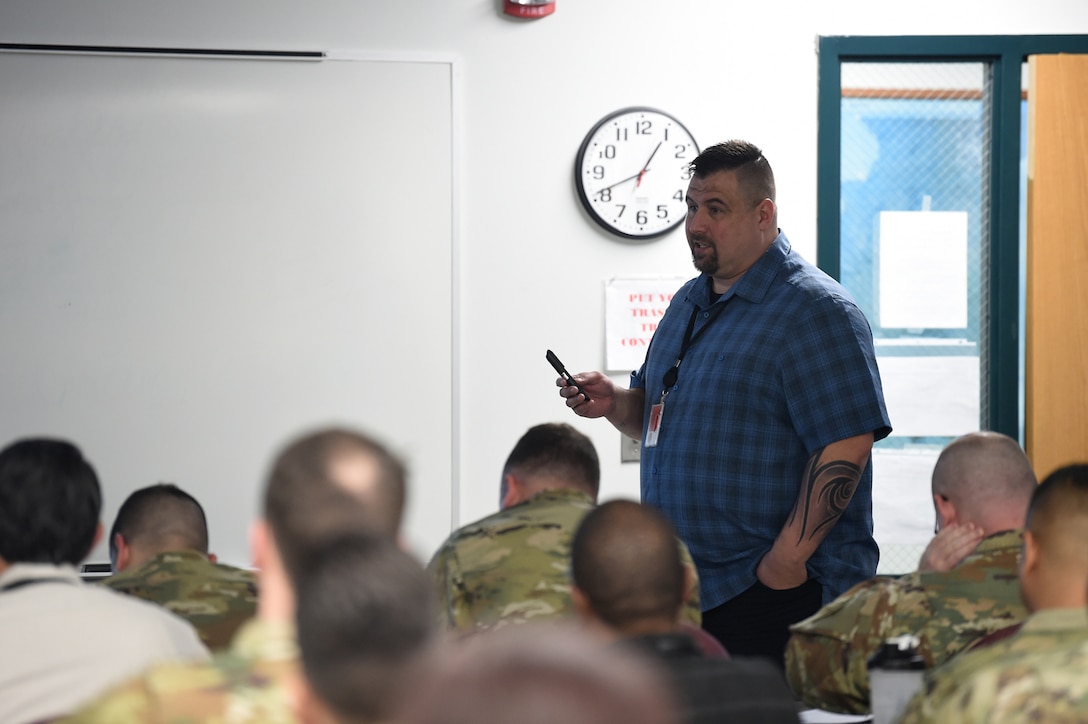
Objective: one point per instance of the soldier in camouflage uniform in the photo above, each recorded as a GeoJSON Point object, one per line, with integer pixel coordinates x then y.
{"type": "Point", "coordinates": [159, 552]}
{"type": "Point", "coordinates": [322, 485]}
{"type": "Point", "coordinates": [513, 566]}
{"type": "Point", "coordinates": [965, 587]}
{"type": "Point", "coordinates": [1038, 674]}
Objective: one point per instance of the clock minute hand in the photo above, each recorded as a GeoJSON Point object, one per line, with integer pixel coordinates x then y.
{"type": "Point", "coordinates": [646, 167]}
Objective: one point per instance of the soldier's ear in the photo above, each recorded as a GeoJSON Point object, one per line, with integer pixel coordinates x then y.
{"type": "Point", "coordinates": [1029, 554]}
{"type": "Point", "coordinates": [513, 491]}
{"type": "Point", "coordinates": [946, 510]}
{"type": "Point", "coordinates": [124, 553]}
{"type": "Point", "coordinates": [581, 602]}
{"type": "Point", "coordinates": [258, 543]}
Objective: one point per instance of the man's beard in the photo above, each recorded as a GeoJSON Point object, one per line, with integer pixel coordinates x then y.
{"type": "Point", "coordinates": [707, 262]}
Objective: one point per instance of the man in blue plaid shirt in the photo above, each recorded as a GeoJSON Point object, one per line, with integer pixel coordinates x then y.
{"type": "Point", "coordinates": [757, 407]}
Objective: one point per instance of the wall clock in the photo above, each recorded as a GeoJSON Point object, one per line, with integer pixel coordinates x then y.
{"type": "Point", "coordinates": [632, 172]}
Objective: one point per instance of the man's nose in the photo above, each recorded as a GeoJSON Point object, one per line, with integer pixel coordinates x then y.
{"type": "Point", "coordinates": [696, 221]}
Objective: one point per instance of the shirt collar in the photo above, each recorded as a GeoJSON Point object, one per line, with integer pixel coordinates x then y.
{"type": "Point", "coordinates": [1000, 540]}
{"type": "Point", "coordinates": [265, 639]}
{"type": "Point", "coordinates": [30, 571]}
{"type": "Point", "coordinates": [754, 284]}
{"type": "Point", "coordinates": [1057, 620]}
{"type": "Point", "coordinates": [572, 494]}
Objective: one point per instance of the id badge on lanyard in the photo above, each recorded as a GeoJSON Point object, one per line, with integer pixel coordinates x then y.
{"type": "Point", "coordinates": [657, 412]}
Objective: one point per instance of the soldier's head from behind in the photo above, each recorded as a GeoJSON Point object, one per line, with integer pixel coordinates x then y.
{"type": "Point", "coordinates": [327, 481]}
{"type": "Point", "coordinates": [364, 614]}
{"type": "Point", "coordinates": [157, 519]}
{"type": "Point", "coordinates": [550, 456]}
{"type": "Point", "coordinates": [50, 502]}
{"type": "Point", "coordinates": [537, 673]}
{"type": "Point", "coordinates": [626, 569]}
{"type": "Point", "coordinates": [983, 478]}
{"type": "Point", "coordinates": [1054, 561]}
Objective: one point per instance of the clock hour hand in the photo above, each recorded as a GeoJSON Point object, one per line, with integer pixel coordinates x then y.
{"type": "Point", "coordinates": [622, 180]}
{"type": "Point", "coordinates": [646, 167]}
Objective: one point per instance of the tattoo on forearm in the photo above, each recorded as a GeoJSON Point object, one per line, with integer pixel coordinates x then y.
{"type": "Point", "coordinates": [828, 488]}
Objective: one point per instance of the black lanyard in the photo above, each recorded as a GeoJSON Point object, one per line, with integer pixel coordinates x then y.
{"type": "Point", "coordinates": [673, 373]}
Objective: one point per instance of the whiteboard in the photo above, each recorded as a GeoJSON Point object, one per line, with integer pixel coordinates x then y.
{"type": "Point", "coordinates": [203, 257]}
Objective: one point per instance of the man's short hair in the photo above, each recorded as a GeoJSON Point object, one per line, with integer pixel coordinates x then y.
{"type": "Point", "coordinates": [984, 471]}
{"type": "Point", "coordinates": [1058, 515]}
{"type": "Point", "coordinates": [50, 501]}
{"type": "Point", "coordinates": [754, 174]}
{"type": "Point", "coordinates": [538, 673]}
{"type": "Point", "coordinates": [331, 480]}
{"type": "Point", "coordinates": [364, 614]}
{"type": "Point", "coordinates": [160, 517]}
{"type": "Point", "coordinates": [556, 450]}
{"type": "Point", "coordinates": [625, 558]}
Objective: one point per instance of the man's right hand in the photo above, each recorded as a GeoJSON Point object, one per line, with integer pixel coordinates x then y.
{"type": "Point", "coordinates": [599, 387]}
{"type": "Point", "coordinates": [622, 407]}
{"type": "Point", "coordinates": [950, 546]}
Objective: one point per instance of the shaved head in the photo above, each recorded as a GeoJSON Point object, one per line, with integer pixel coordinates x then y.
{"type": "Point", "coordinates": [988, 478]}
{"type": "Point", "coordinates": [1058, 517]}
{"type": "Point", "coordinates": [625, 559]}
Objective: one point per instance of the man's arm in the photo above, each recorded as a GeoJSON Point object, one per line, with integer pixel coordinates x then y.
{"type": "Point", "coordinates": [622, 407]}
{"type": "Point", "coordinates": [830, 479]}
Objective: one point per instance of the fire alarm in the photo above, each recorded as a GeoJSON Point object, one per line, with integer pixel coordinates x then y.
{"type": "Point", "coordinates": [528, 8]}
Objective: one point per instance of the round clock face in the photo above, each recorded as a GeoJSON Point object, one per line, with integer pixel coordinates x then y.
{"type": "Point", "coordinates": [632, 172]}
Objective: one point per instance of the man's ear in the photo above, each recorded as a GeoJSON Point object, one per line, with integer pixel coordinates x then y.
{"type": "Point", "coordinates": [946, 510]}
{"type": "Point", "coordinates": [766, 210]}
{"type": "Point", "coordinates": [123, 553]}
{"type": "Point", "coordinates": [689, 583]}
{"type": "Point", "coordinates": [258, 543]}
{"type": "Point", "coordinates": [581, 603]}
{"type": "Point", "coordinates": [1029, 554]}
{"type": "Point", "coordinates": [515, 491]}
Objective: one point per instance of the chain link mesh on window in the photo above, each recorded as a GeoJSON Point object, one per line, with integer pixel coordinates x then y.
{"type": "Point", "coordinates": [913, 253]}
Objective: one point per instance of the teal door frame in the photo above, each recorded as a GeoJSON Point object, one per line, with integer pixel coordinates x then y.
{"type": "Point", "coordinates": [1005, 56]}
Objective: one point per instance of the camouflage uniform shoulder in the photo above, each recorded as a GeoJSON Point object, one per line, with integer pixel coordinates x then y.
{"type": "Point", "coordinates": [216, 598]}
{"type": "Point", "coordinates": [512, 566]}
{"type": "Point", "coordinates": [1050, 687]}
{"type": "Point", "coordinates": [247, 684]}
{"type": "Point", "coordinates": [976, 598]}
{"type": "Point", "coordinates": [1043, 634]}
{"type": "Point", "coordinates": [827, 654]}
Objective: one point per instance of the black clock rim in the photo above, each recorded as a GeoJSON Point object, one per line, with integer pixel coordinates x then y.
{"type": "Point", "coordinates": [578, 183]}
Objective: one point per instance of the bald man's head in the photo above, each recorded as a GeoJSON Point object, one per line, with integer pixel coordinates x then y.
{"type": "Point", "coordinates": [329, 481]}
{"type": "Point", "coordinates": [987, 479]}
{"type": "Point", "coordinates": [625, 560]}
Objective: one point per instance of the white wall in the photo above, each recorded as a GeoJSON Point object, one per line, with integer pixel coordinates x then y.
{"type": "Point", "coordinates": [531, 263]}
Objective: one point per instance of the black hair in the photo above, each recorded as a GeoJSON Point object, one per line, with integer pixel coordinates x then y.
{"type": "Point", "coordinates": [754, 174]}
{"type": "Point", "coordinates": [162, 517]}
{"type": "Point", "coordinates": [557, 449]}
{"type": "Point", "coordinates": [50, 502]}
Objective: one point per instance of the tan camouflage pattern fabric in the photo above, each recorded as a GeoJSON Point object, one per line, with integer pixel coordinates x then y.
{"type": "Point", "coordinates": [1039, 674]}
{"type": "Point", "coordinates": [514, 566]}
{"type": "Point", "coordinates": [827, 654]}
{"type": "Point", "coordinates": [217, 599]}
{"type": "Point", "coordinates": [248, 683]}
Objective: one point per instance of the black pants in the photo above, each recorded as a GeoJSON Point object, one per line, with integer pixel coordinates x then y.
{"type": "Point", "coordinates": [756, 623]}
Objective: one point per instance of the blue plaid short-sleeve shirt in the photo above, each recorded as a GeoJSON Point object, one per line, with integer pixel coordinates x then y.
{"type": "Point", "coordinates": [778, 367]}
